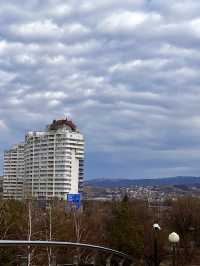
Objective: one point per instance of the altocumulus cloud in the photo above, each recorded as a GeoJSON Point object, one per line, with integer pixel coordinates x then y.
{"type": "Point", "coordinates": [127, 72]}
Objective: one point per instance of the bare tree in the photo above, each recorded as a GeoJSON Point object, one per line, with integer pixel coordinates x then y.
{"type": "Point", "coordinates": [49, 235]}
{"type": "Point", "coordinates": [29, 232]}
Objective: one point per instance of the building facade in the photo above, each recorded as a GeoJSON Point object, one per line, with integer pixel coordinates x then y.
{"type": "Point", "coordinates": [13, 177]}
{"type": "Point", "coordinates": [53, 161]}
{"type": "Point", "coordinates": [1, 187]}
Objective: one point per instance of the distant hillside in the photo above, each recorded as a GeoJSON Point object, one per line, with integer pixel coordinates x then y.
{"type": "Point", "coordinates": [168, 181]}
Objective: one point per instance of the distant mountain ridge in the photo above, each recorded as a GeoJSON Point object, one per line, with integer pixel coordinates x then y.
{"type": "Point", "coordinates": [167, 181]}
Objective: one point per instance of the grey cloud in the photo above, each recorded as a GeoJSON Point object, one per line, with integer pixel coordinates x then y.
{"type": "Point", "coordinates": [127, 72]}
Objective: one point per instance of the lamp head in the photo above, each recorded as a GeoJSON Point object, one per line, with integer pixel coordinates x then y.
{"type": "Point", "coordinates": [156, 227]}
{"type": "Point", "coordinates": [174, 238]}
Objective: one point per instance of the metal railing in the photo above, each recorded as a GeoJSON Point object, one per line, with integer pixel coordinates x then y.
{"type": "Point", "coordinates": [122, 257]}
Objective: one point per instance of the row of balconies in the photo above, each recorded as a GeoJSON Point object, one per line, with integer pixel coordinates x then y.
{"type": "Point", "coordinates": [56, 148]}
{"type": "Point", "coordinates": [16, 167]}
{"type": "Point", "coordinates": [46, 165]}
{"type": "Point", "coordinates": [10, 168]}
{"type": "Point", "coordinates": [48, 162]}
{"type": "Point", "coordinates": [50, 179]}
{"type": "Point", "coordinates": [49, 153]}
{"type": "Point", "coordinates": [10, 154]}
{"type": "Point", "coordinates": [52, 142]}
{"type": "Point", "coordinates": [37, 189]}
{"type": "Point", "coordinates": [44, 173]}
{"type": "Point", "coordinates": [12, 185]}
{"type": "Point", "coordinates": [35, 175]}
{"type": "Point", "coordinates": [64, 159]}
{"type": "Point", "coordinates": [49, 185]}
{"type": "Point", "coordinates": [10, 159]}
{"type": "Point", "coordinates": [13, 166]}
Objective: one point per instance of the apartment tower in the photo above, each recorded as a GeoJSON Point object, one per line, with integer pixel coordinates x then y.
{"type": "Point", "coordinates": [53, 161]}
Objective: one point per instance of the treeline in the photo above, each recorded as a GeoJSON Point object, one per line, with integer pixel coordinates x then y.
{"type": "Point", "coordinates": [122, 225]}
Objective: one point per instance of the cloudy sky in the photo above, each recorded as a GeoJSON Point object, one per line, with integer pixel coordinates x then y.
{"type": "Point", "coordinates": [126, 72]}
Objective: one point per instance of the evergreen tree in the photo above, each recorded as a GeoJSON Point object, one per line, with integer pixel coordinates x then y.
{"type": "Point", "coordinates": [125, 230]}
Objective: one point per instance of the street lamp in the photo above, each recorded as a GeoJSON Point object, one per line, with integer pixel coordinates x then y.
{"type": "Point", "coordinates": [174, 239]}
{"type": "Point", "coordinates": [156, 229]}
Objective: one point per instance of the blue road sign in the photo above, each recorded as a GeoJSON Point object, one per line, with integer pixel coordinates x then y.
{"type": "Point", "coordinates": [74, 199]}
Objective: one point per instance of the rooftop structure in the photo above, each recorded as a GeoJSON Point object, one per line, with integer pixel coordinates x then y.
{"type": "Point", "coordinates": [57, 124]}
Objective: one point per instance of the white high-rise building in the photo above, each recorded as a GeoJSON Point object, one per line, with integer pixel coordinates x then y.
{"type": "Point", "coordinates": [13, 178]}
{"type": "Point", "coordinates": [54, 161]}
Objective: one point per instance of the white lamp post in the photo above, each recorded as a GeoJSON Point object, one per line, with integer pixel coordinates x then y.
{"type": "Point", "coordinates": [156, 229]}
{"type": "Point", "coordinates": [174, 239]}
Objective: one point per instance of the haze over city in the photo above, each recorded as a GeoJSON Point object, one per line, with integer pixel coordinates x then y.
{"type": "Point", "coordinates": [126, 72]}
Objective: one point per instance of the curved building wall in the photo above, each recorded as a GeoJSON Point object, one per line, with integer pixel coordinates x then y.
{"type": "Point", "coordinates": [53, 163]}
